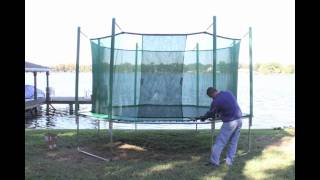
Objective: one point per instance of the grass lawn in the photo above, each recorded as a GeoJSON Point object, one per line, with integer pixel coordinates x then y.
{"type": "Point", "coordinates": [157, 154]}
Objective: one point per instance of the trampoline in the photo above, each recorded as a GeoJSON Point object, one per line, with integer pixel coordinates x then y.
{"type": "Point", "coordinates": [160, 78]}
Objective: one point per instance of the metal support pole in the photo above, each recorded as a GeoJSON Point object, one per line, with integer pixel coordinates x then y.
{"type": "Point", "coordinates": [71, 108]}
{"type": "Point", "coordinates": [77, 100]}
{"type": "Point", "coordinates": [35, 94]}
{"type": "Point", "coordinates": [111, 67]}
{"type": "Point", "coordinates": [111, 136]}
{"type": "Point", "coordinates": [111, 82]}
{"type": "Point", "coordinates": [135, 75]}
{"type": "Point", "coordinates": [197, 60]}
{"type": "Point", "coordinates": [135, 83]}
{"type": "Point", "coordinates": [214, 49]}
{"type": "Point", "coordinates": [235, 64]}
{"type": "Point", "coordinates": [251, 88]}
{"type": "Point", "coordinates": [47, 93]}
{"type": "Point", "coordinates": [77, 82]}
{"type": "Point", "coordinates": [77, 74]}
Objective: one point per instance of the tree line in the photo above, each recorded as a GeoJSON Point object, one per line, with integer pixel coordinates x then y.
{"type": "Point", "coordinates": [265, 68]}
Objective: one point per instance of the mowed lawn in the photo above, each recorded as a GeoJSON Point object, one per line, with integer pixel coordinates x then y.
{"type": "Point", "coordinates": [157, 154]}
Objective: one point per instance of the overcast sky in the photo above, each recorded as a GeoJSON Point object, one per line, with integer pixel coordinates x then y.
{"type": "Point", "coordinates": [51, 25]}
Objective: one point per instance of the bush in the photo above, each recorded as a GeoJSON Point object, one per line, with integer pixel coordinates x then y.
{"type": "Point", "coordinates": [270, 68]}
{"type": "Point", "coordinates": [289, 69]}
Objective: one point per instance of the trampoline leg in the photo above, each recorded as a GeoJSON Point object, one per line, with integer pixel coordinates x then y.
{"type": "Point", "coordinates": [98, 127]}
{"type": "Point", "coordinates": [111, 137]}
{"type": "Point", "coordinates": [110, 131]}
{"type": "Point", "coordinates": [212, 130]}
{"type": "Point", "coordinates": [249, 141]}
{"type": "Point", "coordinates": [196, 127]}
{"type": "Point", "coordinates": [77, 121]}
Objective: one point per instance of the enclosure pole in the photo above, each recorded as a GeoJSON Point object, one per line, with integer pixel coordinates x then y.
{"type": "Point", "coordinates": [214, 64]}
{"type": "Point", "coordinates": [214, 49]}
{"type": "Point", "coordinates": [197, 59]}
{"type": "Point", "coordinates": [135, 83]}
{"type": "Point", "coordinates": [235, 63]}
{"type": "Point", "coordinates": [111, 80]}
{"type": "Point", "coordinates": [77, 74]}
{"type": "Point", "coordinates": [77, 84]}
{"type": "Point", "coordinates": [98, 127]}
{"type": "Point", "coordinates": [135, 75]}
{"type": "Point", "coordinates": [251, 88]}
{"type": "Point", "coordinates": [47, 93]}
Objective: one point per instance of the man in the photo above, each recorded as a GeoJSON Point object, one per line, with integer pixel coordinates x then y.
{"type": "Point", "coordinates": [225, 105]}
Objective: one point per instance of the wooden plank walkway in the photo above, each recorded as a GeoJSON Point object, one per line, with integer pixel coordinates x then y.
{"type": "Point", "coordinates": [32, 104]}
{"type": "Point", "coordinates": [69, 100]}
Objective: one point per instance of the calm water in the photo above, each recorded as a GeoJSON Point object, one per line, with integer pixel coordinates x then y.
{"type": "Point", "coordinates": [274, 102]}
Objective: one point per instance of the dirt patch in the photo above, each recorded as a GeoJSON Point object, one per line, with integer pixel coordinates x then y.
{"type": "Point", "coordinates": [264, 139]}
{"type": "Point", "coordinates": [120, 151]}
{"type": "Point", "coordinates": [286, 144]}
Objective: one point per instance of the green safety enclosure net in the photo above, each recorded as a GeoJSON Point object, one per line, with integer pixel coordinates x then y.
{"type": "Point", "coordinates": [160, 75]}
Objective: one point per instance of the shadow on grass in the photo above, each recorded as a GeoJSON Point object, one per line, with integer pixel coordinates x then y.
{"type": "Point", "coordinates": [259, 163]}
{"type": "Point", "coordinates": [151, 154]}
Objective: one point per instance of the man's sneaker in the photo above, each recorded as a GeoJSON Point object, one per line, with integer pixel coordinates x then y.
{"type": "Point", "coordinates": [212, 165]}
{"type": "Point", "coordinates": [228, 162]}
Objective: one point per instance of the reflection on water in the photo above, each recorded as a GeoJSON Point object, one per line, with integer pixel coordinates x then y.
{"type": "Point", "coordinates": [274, 104]}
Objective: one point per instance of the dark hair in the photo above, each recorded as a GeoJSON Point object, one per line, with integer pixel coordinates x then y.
{"type": "Point", "coordinates": [210, 90]}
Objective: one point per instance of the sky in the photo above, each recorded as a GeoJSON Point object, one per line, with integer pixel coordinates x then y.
{"type": "Point", "coordinates": [51, 25]}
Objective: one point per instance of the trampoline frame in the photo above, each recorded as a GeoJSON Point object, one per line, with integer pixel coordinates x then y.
{"type": "Point", "coordinates": [190, 121]}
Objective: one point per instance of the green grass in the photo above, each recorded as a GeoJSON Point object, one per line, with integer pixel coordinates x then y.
{"type": "Point", "coordinates": [157, 154]}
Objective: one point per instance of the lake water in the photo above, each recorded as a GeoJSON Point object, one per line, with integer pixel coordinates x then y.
{"type": "Point", "coordinates": [274, 102]}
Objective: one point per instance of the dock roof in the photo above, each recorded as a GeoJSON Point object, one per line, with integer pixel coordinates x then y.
{"type": "Point", "coordinates": [31, 67]}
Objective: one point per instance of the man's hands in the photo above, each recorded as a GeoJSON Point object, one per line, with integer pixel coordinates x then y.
{"type": "Point", "coordinates": [203, 118]}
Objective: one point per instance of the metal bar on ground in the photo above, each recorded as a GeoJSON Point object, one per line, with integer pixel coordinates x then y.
{"type": "Point", "coordinates": [87, 153]}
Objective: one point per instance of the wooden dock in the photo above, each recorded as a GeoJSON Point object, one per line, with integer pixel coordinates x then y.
{"type": "Point", "coordinates": [32, 104]}
{"type": "Point", "coordinates": [69, 100]}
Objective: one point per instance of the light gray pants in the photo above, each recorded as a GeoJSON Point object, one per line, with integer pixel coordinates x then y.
{"type": "Point", "coordinates": [229, 131]}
